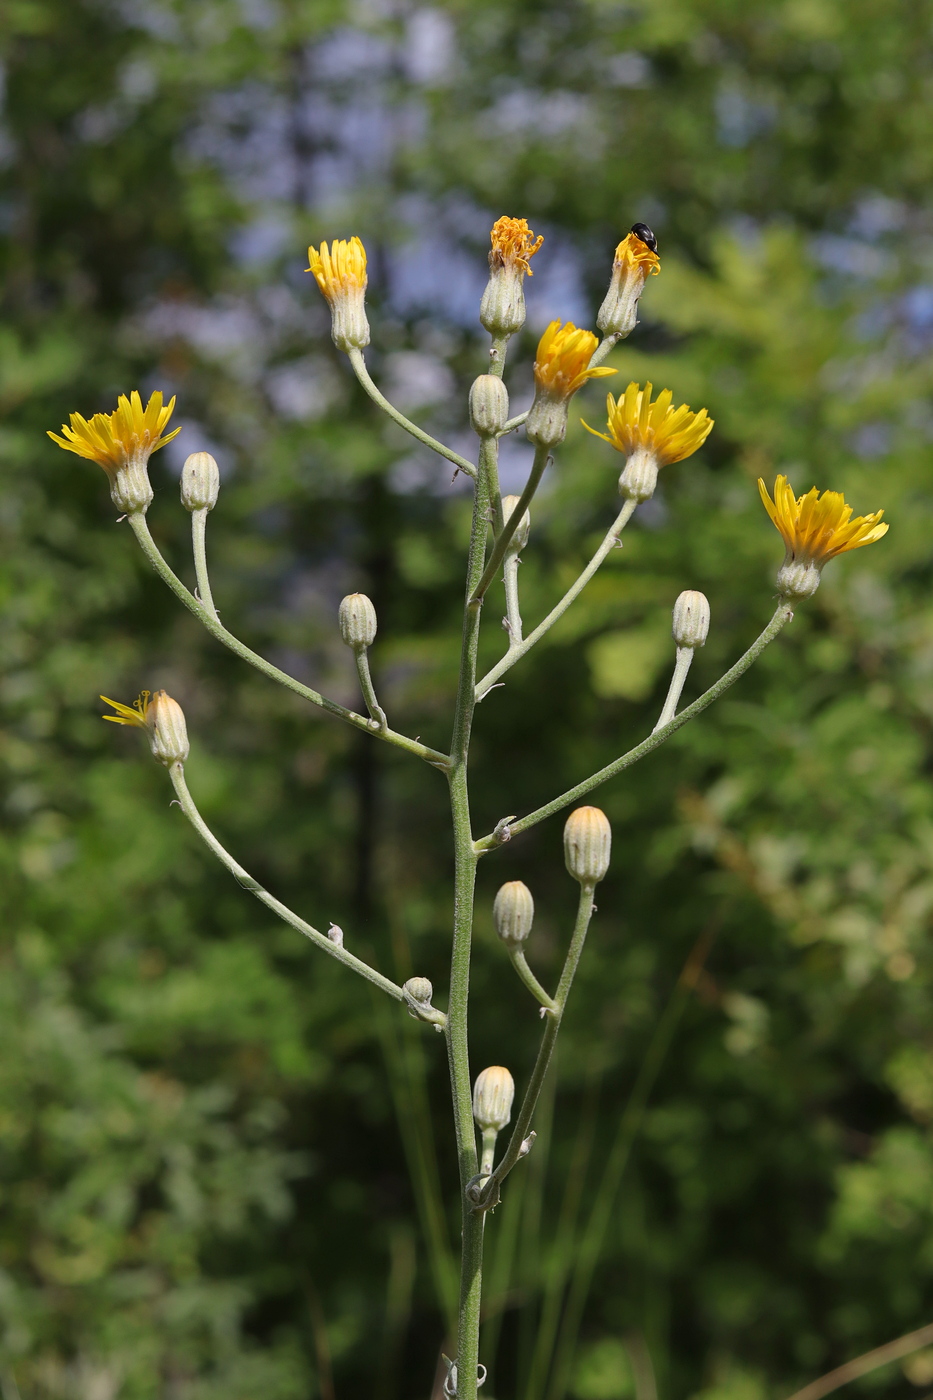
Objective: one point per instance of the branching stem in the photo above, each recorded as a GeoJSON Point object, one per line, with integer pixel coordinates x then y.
{"type": "Point", "coordinates": [363, 375]}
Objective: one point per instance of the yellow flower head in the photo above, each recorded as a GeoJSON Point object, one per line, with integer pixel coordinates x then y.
{"type": "Point", "coordinates": [130, 714]}
{"type": "Point", "coordinates": [513, 243]}
{"type": "Point", "coordinates": [815, 528]}
{"type": "Point", "coordinates": [131, 433]}
{"type": "Point", "coordinates": [340, 272]}
{"type": "Point", "coordinates": [562, 360]}
{"type": "Point", "coordinates": [669, 434]}
{"type": "Point", "coordinates": [339, 269]}
{"type": "Point", "coordinates": [634, 255]}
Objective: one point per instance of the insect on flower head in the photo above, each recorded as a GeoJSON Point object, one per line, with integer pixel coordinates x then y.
{"type": "Point", "coordinates": [636, 259]}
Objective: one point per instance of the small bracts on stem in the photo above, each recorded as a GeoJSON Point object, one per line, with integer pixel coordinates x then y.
{"type": "Point", "coordinates": [418, 993]}
{"type": "Point", "coordinates": [163, 720]}
{"type": "Point", "coordinates": [502, 309]}
{"type": "Point", "coordinates": [562, 366]}
{"type": "Point", "coordinates": [200, 482]}
{"type": "Point", "coordinates": [650, 435]}
{"type": "Point", "coordinates": [489, 406]}
{"type": "Point", "coordinates": [815, 528]}
{"type": "Point", "coordinates": [587, 845]}
{"type": "Point", "coordinates": [636, 260]}
{"type": "Point", "coordinates": [122, 443]}
{"type": "Point", "coordinates": [340, 272]}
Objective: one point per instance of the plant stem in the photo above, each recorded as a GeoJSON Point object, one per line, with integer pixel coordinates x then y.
{"type": "Point", "coordinates": [199, 550]}
{"type": "Point", "coordinates": [512, 612]}
{"type": "Point", "coordinates": [215, 627]}
{"type": "Point", "coordinates": [465, 861]}
{"type": "Point", "coordinates": [516, 653]}
{"type": "Point", "coordinates": [783, 614]}
{"type": "Point", "coordinates": [520, 963]}
{"type": "Point", "coordinates": [362, 374]}
{"type": "Point", "coordinates": [243, 877]}
{"type": "Point", "coordinates": [553, 1019]}
{"type": "Point", "coordinates": [682, 664]}
{"type": "Point", "coordinates": [542, 456]}
{"type": "Point", "coordinates": [376, 712]}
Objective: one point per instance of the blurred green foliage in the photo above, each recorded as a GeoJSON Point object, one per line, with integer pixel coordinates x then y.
{"type": "Point", "coordinates": [226, 1171]}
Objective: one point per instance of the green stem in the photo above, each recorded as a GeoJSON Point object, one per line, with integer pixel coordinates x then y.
{"type": "Point", "coordinates": [515, 653]}
{"type": "Point", "coordinates": [553, 1018]}
{"type": "Point", "coordinates": [376, 712]}
{"type": "Point", "coordinates": [520, 964]}
{"type": "Point", "coordinates": [783, 614]}
{"type": "Point", "coordinates": [334, 950]}
{"type": "Point", "coordinates": [542, 456]}
{"type": "Point", "coordinates": [215, 627]}
{"type": "Point", "coordinates": [682, 664]}
{"type": "Point", "coordinates": [362, 374]}
{"type": "Point", "coordinates": [199, 549]}
{"type": "Point", "coordinates": [465, 861]}
{"type": "Point", "coordinates": [512, 610]}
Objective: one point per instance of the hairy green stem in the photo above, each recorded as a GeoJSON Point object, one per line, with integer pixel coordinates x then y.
{"type": "Point", "coordinates": [783, 614]}
{"type": "Point", "coordinates": [542, 456]}
{"type": "Point", "coordinates": [520, 963]}
{"type": "Point", "coordinates": [243, 877]}
{"type": "Point", "coordinates": [553, 1018]}
{"type": "Point", "coordinates": [363, 375]}
{"type": "Point", "coordinates": [199, 550]}
{"type": "Point", "coordinates": [215, 627]}
{"type": "Point", "coordinates": [515, 653]}
{"type": "Point", "coordinates": [682, 664]}
{"type": "Point", "coordinates": [513, 614]}
{"type": "Point", "coordinates": [376, 712]}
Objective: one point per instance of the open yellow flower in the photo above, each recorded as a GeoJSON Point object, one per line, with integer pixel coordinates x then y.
{"type": "Point", "coordinates": [513, 245]}
{"type": "Point", "coordinates": [651, 435]}
{"type": "Point", "coordinates": [122, 443]}
{"type": "Point", "coordinates": [340, 272]}
{"type": "Point", "coordinates": [815, 528]}
{"type": "Point", "coordinates": [633, 264]}
{"type": "Point", "coordinates": [562, 366]}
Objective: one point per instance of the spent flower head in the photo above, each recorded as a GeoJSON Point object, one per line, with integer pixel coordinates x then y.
{"type": "Point", "coordinates": [513, 245]}
{"type": "Point", "coordinates": [650, 435]}
{"type": "Point", "coordinates": [562, 366]}
{"type": "Point", "coordinates": [815, 528]}
{"type": "Point", "coordinates": [122, 443]}
{"type": "Point", "coordinates": [340, 272]}
{"type": "Point", "coordinates": [635, 261]}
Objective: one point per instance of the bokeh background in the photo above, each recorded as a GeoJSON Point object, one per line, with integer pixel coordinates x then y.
{"type": "Point", "coordinates": [227, 1169]}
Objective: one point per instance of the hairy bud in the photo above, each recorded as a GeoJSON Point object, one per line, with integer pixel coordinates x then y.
{"type": "Point", "coordinates": [691, 619]}
{"type": "Point", "coordinates": [489, 405]}
{"type": "Point", "coordinates": [200, 482]}
{"type": "Point", "coordinates": [168, 733]}
{"type": "Point", "coordinates": [640, 477]}
{"type": "Point", "coordinates": [520, 538]}
{"type": "Point", "coordinates": [493, 1093]}
{"type": "Point", "coordinates": [513, 913]}
{"type": "Point", "coordinates": [357, 618]}
{"type": "Point", "coordinates": [419, 989]}
{"type": "Point", "coordinates": [587, 844]}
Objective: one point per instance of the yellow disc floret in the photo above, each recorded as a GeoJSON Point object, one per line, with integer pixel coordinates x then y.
{"type": "Point", "coordinates": [513, 243]}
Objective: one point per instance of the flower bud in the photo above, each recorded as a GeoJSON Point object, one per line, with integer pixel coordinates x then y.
{"type": "Point", "coordinates": [513, 913]}
{"type": "Point", "coordinates": [520, 538]}
{"type": "Point", "coordinates": [200, 482]}
{"type": "Point", "coordinates": [357, 618]}
{"type": "Point", "coordinates": [489, 405]}
{"type": "Point", "coordinates": [512, 245]}
{"type": "Point", "coordinates": [493, 1093]}
{"type": "Point", "coordinates": [587, 844]}
{"type": "Point", "coordinates": [635, 260]}
{"type": "Point", "coordinates": [640, 477]}
{"type": "Point", "coordinates": [691, 619]}
{"type": "Point", "coordinates": [168, 733]}
{"type": "Point", "coordinates": [340, 272]}
{"type": "Point", "coordinates": [419, 989]}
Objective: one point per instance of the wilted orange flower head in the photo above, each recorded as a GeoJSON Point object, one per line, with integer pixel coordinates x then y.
{"type": "Point", "coordinates": [513, 243]}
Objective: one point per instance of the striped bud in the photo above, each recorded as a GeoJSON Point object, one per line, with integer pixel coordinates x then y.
{"type": "Point", "coordinates": [691, 619]}
{"type": "Point", "coordinates": [493, 1093]}
{"type": "Point", "coordinates": [513, 913]}
{"type": "Point", "coordinates": [587, 844]}
{"type": "Point", "coordinates": [357, 618]}
{"type": "Point", "coordinates": [168, 733]}
{"type": "Point", "coordinates": [489, 405]}
{"type": "Point", "coordinates": [200, 482]}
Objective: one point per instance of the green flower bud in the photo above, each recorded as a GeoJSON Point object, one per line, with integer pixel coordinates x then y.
{"type": "Point", "coordinates": [168, 733]}
{"type": "Point", "coordinates": [513, 913]}
{"type": "Point", "coordinates": [200, 482]}
{"type": "Point", "coordinates": [419, 989]}
{"type": "Point", "coordinates": [493, 1093]}
{"type": "Point", "coordinates": [357, 618]}
{"type": "Point", "coordinates": [587, 844]}
{"type": "Point", "coordinates": [489, 405]}
{"type": "Point", "coordinates": [691, 619]}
